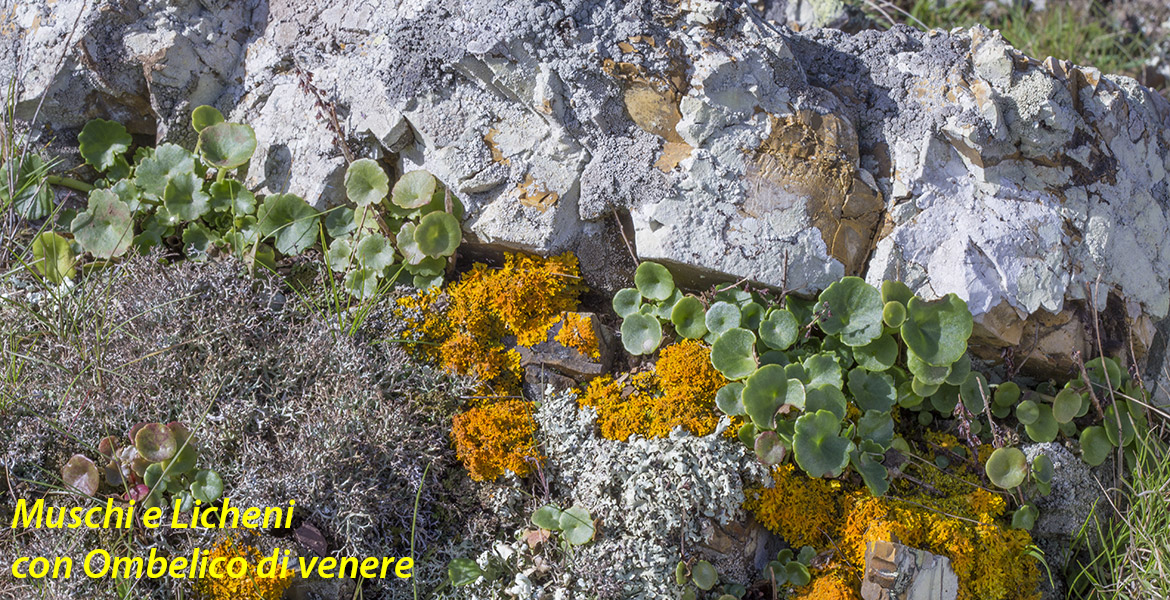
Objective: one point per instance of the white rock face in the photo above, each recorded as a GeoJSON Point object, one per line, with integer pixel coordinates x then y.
{"type": "Point", "coordinates": [731, 149]}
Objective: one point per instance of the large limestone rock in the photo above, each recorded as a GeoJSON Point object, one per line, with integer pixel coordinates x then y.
{"type": "Point", "coordinates": [1035, 190]}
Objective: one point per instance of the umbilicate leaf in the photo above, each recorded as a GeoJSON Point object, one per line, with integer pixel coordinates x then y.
{"type": "Point", "coordinates": [105, 229]}
{"type": "Point", "coordinates": [654, 281]}
{"type": "Point", "coordinates": [854, 311]}
{"type": "Point", "coordinates": [205, 116]}
{"type": "Point", "coordinates": [937, 331]}
{"type": "Point", "coordinates": [764, 393]}
{"type": "Point", "coordinates": [81, 474]}
{"type": "Point", "coordinates": [641, 334]}
{"type": "Point", "coordinates": [721, 317]}
{"type": "Point", "coordinates": [207, 486]}
{"type": "Point", "coordinates": [290, 221]}
{"type": "Point", "coordinates": [1007, 467]}
{"type": "Point", "coordinates": [779, 330]}
{"type": "Point", "coordinates": [626, 302]}
{"type": "Point", "coordinates": [820, 450]}
{"type": "Point", "coordinates": [438, 234]}
{"type": "Point", "coordinates": [155, 442]}
{"type": "Point", "coordinates": [413, 190]}
{"type": "Point", "coordinates": [52, 257]}
{"type": "Point", "coordinates": [688, 318]}
{"type": "Point", "coordinates": [733, 354]}
{"type": "Point", "coordinates": [366, 182]}
{"type": "Point", "coordinates": [101, 142]}
{"type": "Point", "coordinates": [227, 145]}
{"type": "Point", "coordinates": [577, 525]}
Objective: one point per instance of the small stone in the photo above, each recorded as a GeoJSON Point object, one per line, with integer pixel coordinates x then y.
{"type": "Point", "coordinates": [897, 572]}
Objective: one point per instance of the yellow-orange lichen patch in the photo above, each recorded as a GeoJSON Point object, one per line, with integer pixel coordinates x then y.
{"type": "Point", "coordinates": [250, 585]}
{"type": "Point", "coordinates": [577, 332]}
{"type": "Point", "coordinates": [494, 438]}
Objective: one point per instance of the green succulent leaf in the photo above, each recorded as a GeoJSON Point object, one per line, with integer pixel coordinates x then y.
{"type": "Point", "coordinates": [374, 252]}
{"type": "Point", "coordinates": [362, 283]}
{"type": "Point", "coordinates": [81, 474]}
{"type": "Point", "coordinates": [729, 399]}
{"type": "Point", "coordinates": [876, 427]}
{"type": "Point", "coordinates": [878, 355]}
{"type": "Point", "coordinates": [438, 234]}
{"type": "Point", "coordinates": [928, 374]}
{"type": "Point", "coordinates": [205, 116]}
{"type": "Point", "coordinates": [1104, 373]}
{"type": "Point", "coordinates": [704, 575]}
{"type": "Point", "coordinates": [413, 190]}
{"type": "Point", "coordinates": [937, 331]}
{"type": "Point", "coordinates": [733, 354]}
{"type": "Point", "coordinates": [825, 397]}
{"type": "Point", "coordinates": [165, 163]}
{"type": "Point", "coordinates": [654, 281]}
{"type": "Point", "coordinates": [820, 450]}
{"type": "Point", "coordinates": [366, 182]}
{"type": "Point", "coordinates": [1095, 445]}
{"type": "Point", "coordinates": [721, 317]}
{"type": "Point", "coordinates": [230, 195]}
{"type": "Point", "coordinates": [1066, 405]}
{"type": "Point", "coordinates": [1027, 412]}
{"type": "Point", "coordinates": [626, 302]}
{"type": "Point", "coordinates": [872, 471]}
{"type": "Point", "coordinates": [747, 434]}
{"type": "Point", "coordinates": [577, 525]}
{"type": "Point", "coordinates": [155, 442]}
{"type": "Point", "coordinates": [665, 308]}
{"type": "Point", "coordinates": [689, 318]}
{"type": "Point", "coordinates": [641, 334]}
{"type": "Point", "coordinates": [779, 329]}
{"type": "Point", "coordinates": [106, 228]}
{"type": "Point", "coordinates": [765, 392]}
{"type": "Point", "coordinates": [52, 257]}
{"type": "Point", "coordinates": [184, 197]}
{"type": "Point", "coordinates": [1025, 517]}
{"type": "Point", "coordinates": [974, 392]}
{"type": "Point", "coordinates": [1119, 425]}
{"type": "Point", "coordinates": [547, 517]}
{"type": "Point", "coordinates": [463, 571]}
{"type": "Point", "coordinates": [227, 145]}
{"type": "Point", "coordinates": [1007, 467]}
{"type": "Point", "coordinates": [896, 291]}
{"type": "Point", "coordinates": [1043, 469]}
{"type": "Point", "coordinates": [872, 390]}
{"type": "Point", "coordinates": [207, 486]}
{"type": "Point", "coordinates": [101, 142]}
{"type": "Point", "coordinates": [894, 314]}
{"type": "Point", "coordinates": [290, 221]}
{"type": "Point", "coordinates": [854, 311]}
{"type": "Point", "coordinates": [1007, 394]}
{"type": "Point", "coordinates": [823, 369]}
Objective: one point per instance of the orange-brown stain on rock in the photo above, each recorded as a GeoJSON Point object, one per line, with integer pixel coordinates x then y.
{"type": "Point", "coordinates": [815, 156]}
{"type": "Point", "coordinates": [534, 195]}
{"type": "Point", "coordinates": [653, 104]}
{"type": "Point", "coordinates": [497, 155]}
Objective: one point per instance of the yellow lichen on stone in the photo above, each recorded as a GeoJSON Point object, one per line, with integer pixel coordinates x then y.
{"type": "Point", "coordinates": [964, 524]}
{"type": "Point", "coordinates": [680, 392]}
{"type": "Point", "coordinates": [497, 437]}
{"type": "Point", "coordinates": [251, 585]}
{"type": "Point", "coordinates": [577, 333]}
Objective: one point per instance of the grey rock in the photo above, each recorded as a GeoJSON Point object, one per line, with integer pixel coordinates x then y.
{"type": "Point", "coordinates": [897, 572]}
{"type": "Point", "coordinates": [1075, 492]}
{"type": "Point", "coordinates": [1036, 191]}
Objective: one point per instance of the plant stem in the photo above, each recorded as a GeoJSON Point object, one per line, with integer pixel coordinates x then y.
{"type": "Point", "coordinates": [74, 184]}
{"type": "Point", "coordinates": [220, 175]}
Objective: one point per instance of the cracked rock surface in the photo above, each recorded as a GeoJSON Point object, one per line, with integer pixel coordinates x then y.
{"type": "Point", "coordinates": [1035, 190]}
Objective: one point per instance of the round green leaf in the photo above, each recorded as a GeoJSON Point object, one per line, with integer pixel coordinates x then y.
{"type": "Point", "coordinates": [704, 575]}
{"type": "Point", "coordinates": [894, 314]}
{"type": "Point", "coordinates": [1007, 467]}
{"type": "Point", "coordinates": [654, 281]}
{"type": "Point", "coordinates": [463, 571]}
{"type": "Point", "coordinates": [375, 252]}
{"type": "Point", "coordinates": [413, 190]}
{"type": "Point", "coordinates": [207, 486]}
{"type": "Point", "coordinates": [820, 450]}
{"type": "Point", "coordinates": [577, 525]}
{"type": "Point", "coordinates": [960, 369]}
{"type": "Point", "coordinates": [547, 517]}
{"type": "Point", "coordinates": [876, 427]}
{"type": "Point", "coordinates": [365, 182]}
{"type": "Point", "coordinates": [937, 331]}
{"type": "Point", "coordinates": [1007, 394]}
{"type": "Point", "coordinates": [1095, 445]}
{"type": "Point", "coordinates": [438, 234]}
{"type": "Point", "coordinates": [184, 197]}
{"type": "Point", "coordinates": [227, 145]}
{"type": "Point", "coordinates": [641, 334]}
{"type": "Point", "coordinates": [52, 257]}
{"type": "Point", "coordinates": [878, 355]}
{"type": "Point", "coordinates": [1045, 428]}
{"type": "Point", "coordinates": [155, 442]}
{"type": "Point", "coordinates": [765, 392]}
{"type": "Point", "coordinates": [680, 573]}
{"type": "Point", "coordinates": [81, 474]}
{"type": "Point", "coordinates": [688, 317]}
{"type": "Point", "coordinates": [1104, 373]}
{"type": "Point", "coordinates": [165, 163]}
{"type": "Point", "coordinates": [290, 221]}
{"type": "Point", "coordinates": [779, 329]}
{"type": "Point", "coordinates": [974, 392]}
{"type": "Point", "coordinates": [626, 302]}
{"type": "Point", "coordinates": [823, 369]}
{"type": "Point", "coordinates": [769, 448]}
{"type": "Point", "coordinates": [924, 390]}
{"type": "Point", "coordinates": [101, 142]}
{"type": "Point", "coordinates": [729, 399]}
{"type": "Point", "coordinates": [362, 283]}
{"type": "Point", "coordinates": [733, 354]}
{"type": "Point", "coordinates": [1025, 517]}
{"type": "Point", "coordinates": [1113, 416]}
{"type": "Point", "coordinates": [230, 195]}
{"type": "Point", "coordinates": [1027, 412]}
{"type": "Point", "coordinates": [105, 229]}
{"type": "Point", "coordinates": [854, 311]}
{"type": "Point", "coordinates": [825, 397]}
{"type": "Point", "coordinates": [721, 317]}
{"type": "Point", "coordinates": [872, 390]}
{"type": "Point", "coordinates": [205, 116]}
{"type": "Point", "coordinates": [1043, 469]}
{"type": "Point", "coordinates": [930, 374]}
{"type": "Point", "coordinates": [747, 434]}
{"type": "Point", "coordinates": [1066, 405]}
{"type": "Point", "coordinates": [896, 291]}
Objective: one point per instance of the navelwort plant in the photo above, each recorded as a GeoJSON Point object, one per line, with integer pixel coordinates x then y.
{"type": "Point", "coordinates": [159, 462]}
{"type": "Point", "coordinates": [570, 527]}
{"type": "Point", "coordinates": [817, 381]}
{"type": "Point", "coordinates": [700, 576]}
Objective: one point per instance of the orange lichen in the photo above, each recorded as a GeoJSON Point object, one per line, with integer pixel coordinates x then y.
{"type": "Point", "coordinates": [832, 584]}
{"type": "Point", "coordinates": [680, 392]}
{"type": "Point", "coordinates": [577, 333]}
{"type": "Point", "coordinates": [964, 524]}
{"type": "Point", "coordinates": [473, 329]}
{"type": "Point", "coordinates": [801, 510]}
{"type": "Point", "coordinates": [494, 438]}
{"type": "Point", "coordinates": [251, 584]}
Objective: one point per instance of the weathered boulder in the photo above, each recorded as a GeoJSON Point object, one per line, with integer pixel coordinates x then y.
{"type": "Point", "coordinates": [1035, 190]}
